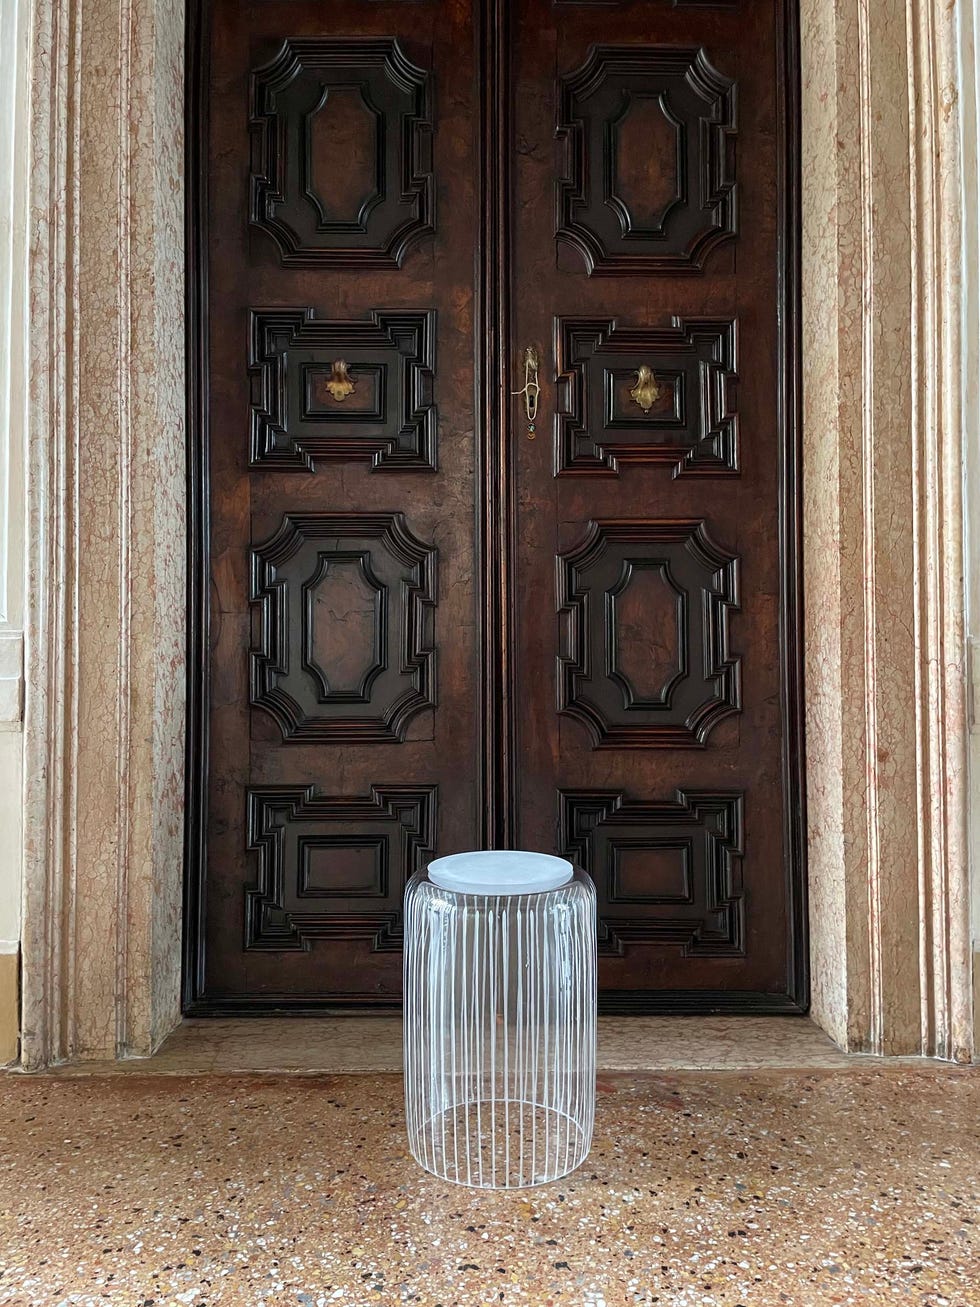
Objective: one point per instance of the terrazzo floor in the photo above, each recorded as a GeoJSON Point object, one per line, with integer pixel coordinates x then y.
{"type": "Point", "coordinates": [857, 1185]}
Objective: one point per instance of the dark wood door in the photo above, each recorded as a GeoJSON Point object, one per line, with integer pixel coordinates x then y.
{"type": "Point", "coordinates": [427, 616]}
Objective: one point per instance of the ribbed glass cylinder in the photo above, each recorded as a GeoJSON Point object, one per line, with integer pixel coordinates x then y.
{"type": "Point", "coordinates": [500, 1004]}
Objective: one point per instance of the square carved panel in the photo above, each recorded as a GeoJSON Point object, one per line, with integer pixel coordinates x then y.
{"type": "Point", "coordinates": [666, 872]}
{"type": "Point", "coordinates": [342, 391]}
{"type": "Point", "coordinates": [684, 416]}
{"type": "Point", "coordinates": [334, 868]}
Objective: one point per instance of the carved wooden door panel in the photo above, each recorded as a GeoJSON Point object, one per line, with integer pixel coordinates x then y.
{"type": "Point", "coordinates": [653, 271]}
{"type": "Point", "coordinates": [419, 625]}
{"type": "Point", "coordinates": [340, 721]}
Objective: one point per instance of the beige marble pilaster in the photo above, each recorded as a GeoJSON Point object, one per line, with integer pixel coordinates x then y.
{"type": "Point", "coordinates": [883, 527]}
{"type": "Point", "coordinates": [105, 702]}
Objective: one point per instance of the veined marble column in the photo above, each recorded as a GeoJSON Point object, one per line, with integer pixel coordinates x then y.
{"type": "Point", "coordinates": [883, 527]}
{"type": "Point", "coordinates": [105, 720]}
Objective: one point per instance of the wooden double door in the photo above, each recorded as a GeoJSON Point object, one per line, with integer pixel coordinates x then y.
{"type": "Point", "coordinates": [494, 488]}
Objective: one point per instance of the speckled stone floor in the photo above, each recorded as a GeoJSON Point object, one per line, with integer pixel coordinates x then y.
{"type": "Point", "coordinates": [831, 1186]}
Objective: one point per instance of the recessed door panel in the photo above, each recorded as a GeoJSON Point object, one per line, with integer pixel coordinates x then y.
{"type": "Point", "coordinates": [648, 662]}
{"type": "Point", "coordinates": [341, 130]}
{"type": "Point", "coordinates": [342, 391]}
{"type": "Point", "coordinates": [649, 185]}
{"type": "Point", "coordinates": [344, 605]}
{"type": "Point", "coordinates": [646, 395]}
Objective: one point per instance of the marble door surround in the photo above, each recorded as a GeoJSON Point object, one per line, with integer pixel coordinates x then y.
{"type": "Point", "coordinates": [885, 684]}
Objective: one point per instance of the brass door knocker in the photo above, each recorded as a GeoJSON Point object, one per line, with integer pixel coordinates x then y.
{"type": "Point", "coordinates": [646, 392]}
{"type": "Point", "coordinates": [340, 383]}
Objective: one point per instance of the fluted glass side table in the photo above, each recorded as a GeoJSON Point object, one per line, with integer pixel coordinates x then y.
{"type": "Point", "coordinates": [500, 1008]}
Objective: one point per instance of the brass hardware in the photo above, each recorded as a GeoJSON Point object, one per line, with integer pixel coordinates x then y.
{"type": "Point", "coordinates": [340, 384]}
{"type": "Point", "coordinates": [646, 392]}
{"type": "Point", "coordinates": [530, 390]}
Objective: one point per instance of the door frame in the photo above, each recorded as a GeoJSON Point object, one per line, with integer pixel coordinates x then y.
{"type": "Point", "coordinates": [882, 526]}
{"type": "Point", "coordinates": [495, 529]}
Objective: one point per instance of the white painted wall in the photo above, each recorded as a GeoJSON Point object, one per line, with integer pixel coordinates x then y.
{"type": "Point", "coordinates": [14, 318]}
{"type": "Point", "coordinates": [970, 120]}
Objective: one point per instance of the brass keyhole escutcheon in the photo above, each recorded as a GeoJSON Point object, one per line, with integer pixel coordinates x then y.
{"type": "Point", "coordinates": [646, 392]}
{"type": "Point", "coordinates": [531, 391]}
{"type": "Point", "coordinates": [340, 384]}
